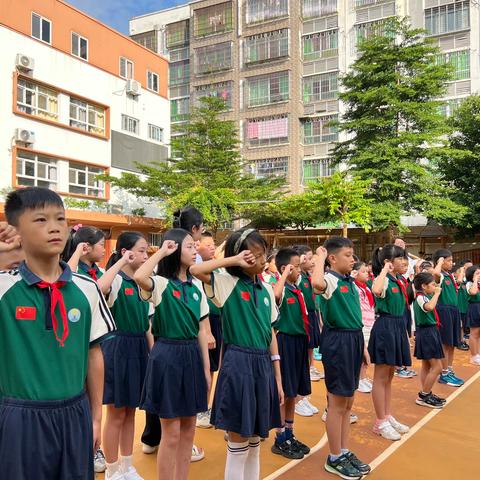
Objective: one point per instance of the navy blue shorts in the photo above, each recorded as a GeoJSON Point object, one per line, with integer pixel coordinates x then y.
{"type": "Point", "coordinates": [388, 344]}
{"type": "Point", "coordinates": [450, 325]}
{"type": "Point", "coordinates": [46, 440]}
{"type": "Point", "coordinates": [175, 384]}
{"type": "Point", "coordinates": [217, 332]}
{"type": "Point", "coordinates": [473, 315]}
{"type": "Point", "coordinates": [125, 357]}
{"type": "Point", "coordinates": [428, 343]}
{"type": "Point", "coordinates": [313, 329]}
{"type": "Point", "coordinates": [246, 397]}
{"type": "Point", "coordinates": [342, 356]}
{"type": "Point", "coordinates": [294, 364]}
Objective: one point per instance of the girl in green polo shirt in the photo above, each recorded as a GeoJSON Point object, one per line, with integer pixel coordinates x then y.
{"type": "Point", "coordinates": [178, 369]}
{"type": "Point", "coordinates": [472, 276]}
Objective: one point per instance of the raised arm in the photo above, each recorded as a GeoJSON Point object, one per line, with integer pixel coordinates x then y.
{"type": "Point", "coordinates": [106, 280]}
{"type": "Point", "coordinates": [473, 290]}
{"type": "Point", "coordinates": [379, 282]}
{"type": "Point", "coordinates": [82, 249]}
{"type": "Point", "coordinates": [437, 271]}
{"type": "Point", "coordinates": [280, 285]}
{"type": "Point", "coordinates": [318, 275]}
{"type": "Point", "coordinates": [432, 303]}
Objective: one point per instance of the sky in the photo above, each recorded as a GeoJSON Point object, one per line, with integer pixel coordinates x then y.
{"type": "Point", "coordinates": [117, 13]}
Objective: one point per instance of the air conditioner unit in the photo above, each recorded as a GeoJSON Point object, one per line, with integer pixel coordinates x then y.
{"type": "Point", "coordinates": [24, 136]}
{"type": "Point", "coordinates": [24, 62]}
{"type": "Point", "coordinates": [133, 88]}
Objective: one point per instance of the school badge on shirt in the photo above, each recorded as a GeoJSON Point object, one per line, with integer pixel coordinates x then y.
{"type": "Point", "coordinates": [195, 296]}
{"type": "Point", "coordinates": [74, 315]}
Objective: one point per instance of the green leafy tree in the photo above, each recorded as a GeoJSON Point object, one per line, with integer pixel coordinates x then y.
{"type": "Point", "coordinates": [393, 125]}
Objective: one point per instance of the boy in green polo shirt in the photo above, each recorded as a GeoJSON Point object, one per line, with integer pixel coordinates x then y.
{"type": "Point", "coordinates": [52, 323]}
{"type": "Point", "coordinates": [342, 350]}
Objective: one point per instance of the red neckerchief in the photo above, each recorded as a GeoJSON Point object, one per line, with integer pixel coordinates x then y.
{"type": "Point", "coordinates": [452, 278]}
{"type": "Point", "coordinates": [364, 288]}
{"type": "Point", "coordinates": [57, 298]}
{"type": "Point", "coordinates": [303, 308]}
{"type": "Point", "coordinates": [437, 317]}
{"type": "Point", "coordinates": [93, 273]}
{"type": "Point", "coordinates": [402, 283]}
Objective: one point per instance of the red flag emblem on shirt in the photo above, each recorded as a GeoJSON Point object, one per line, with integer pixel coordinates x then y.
{"type": "Point", "coordinates": [395, 290]}
{"type": "Point", "coordinates": [291, 300]}
{"type": "Point", "coordinates": [129, 291]}
{"type": "Point", "coordinates": [246, 296]}
{"type": "Point", "coordinates": [305, 284]}
{"type": "Point", "coordinates": [177, 294]}
{"type": "Point", "coordinates": [26, 313]}
{"type": "Point", "coordinates": [344, 288]}
{"type": "Point", "coordinates": [447, 282]}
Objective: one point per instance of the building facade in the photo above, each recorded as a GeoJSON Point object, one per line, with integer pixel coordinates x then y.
{"type": "Point", "coordinates": [277, 64]}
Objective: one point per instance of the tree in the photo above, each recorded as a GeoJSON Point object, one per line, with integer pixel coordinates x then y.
{"type": "Point", "coordinates": [395, 130]}
{"type": "Point", "coordinates": [206, 169]}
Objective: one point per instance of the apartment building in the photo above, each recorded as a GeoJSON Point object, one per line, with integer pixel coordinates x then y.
{"type": "Point", "coordinates": [277, 65]}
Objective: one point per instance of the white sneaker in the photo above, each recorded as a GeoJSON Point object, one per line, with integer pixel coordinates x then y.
{"type": "Point", "coordinates": [315, 375]}
{"type": "Point", "coordinates": [303, 409]}
{"type": "Point", "coordinates": [386, 430]}
{"type": "Point", "coordinates": [147, 449]}
{"type": "Point", "coordinates": [197, 454]}
{"type": "Point", "coordinates": [399, 427]}
{"type": "Point", "coordinates": [131, 474]}
{"type": "Point", "coordinates": [118, 475]}
{"type": "Point", "coordinates": [475, 360]}
{"type": "Point", "coordinates": [313, 408]}
{"type": "Point", "coordinates": [353, 417]}
{"type": "Point", "coordinates": [99, 464]}
{"type": "Point", "coordinates": [364, 386]}
{"type": "Point", "coordinates": [203, 419]}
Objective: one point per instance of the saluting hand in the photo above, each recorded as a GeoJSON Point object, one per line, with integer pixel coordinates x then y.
{"type": "Point", "coordinates": [168, 247]}
{"type": "Point", "coordinates": [245, 259]}
{"type": "Point", "coordinates": [322, 253]}
{"type": "Point", "coordinates": [128, 257]}
{"type": "Point", "coordinates": [388, 267]}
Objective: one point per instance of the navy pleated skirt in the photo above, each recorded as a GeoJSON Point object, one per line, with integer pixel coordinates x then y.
{"type": "Point", "coordinates": [473, 315]}
{"type": "Point", "coordinates": [125, 358]}
{"type": "Point", "coordinates": [428, 343]}
{"type": "Point", "coordinates": [175, 384]}
{"type": "Point", "coordinates": [217, 332]}
{"type": "Point", "coordinates": [450, 325]}
{"type": "Point", "coordinates": [246, 397]}
{"type": "Point", "coordinates": [388, 344]}
{"type": "Point", "coordinates": [294, 364]}
{"type": "Point", "coordinates": [46, 440]}
{"type": "Point", "coordinates": [313, 329]}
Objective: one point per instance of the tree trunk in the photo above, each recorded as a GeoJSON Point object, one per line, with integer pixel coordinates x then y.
{"type": "Point", "coordinates": [345, 230]}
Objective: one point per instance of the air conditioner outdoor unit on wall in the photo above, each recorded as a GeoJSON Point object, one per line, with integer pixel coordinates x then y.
{"type": "Point", "coordinates": [24, 62]}
{"type": "Point", "coordinates": [133, 88]}
{"type": "Point", "coordinates": [24, 136]}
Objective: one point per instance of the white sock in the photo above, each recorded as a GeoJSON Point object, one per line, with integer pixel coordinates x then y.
{"type": "Point", "coordinates": [237, 454]}
{"type": "Point", "coordinates": [112, 468]}
{"type": "Point", "coordinates": [126, 462]}
{"type": "Point", "coordinates": [252, 467]}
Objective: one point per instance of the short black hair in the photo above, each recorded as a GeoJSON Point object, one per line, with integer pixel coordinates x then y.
{"type": "Point", "coordinates": [302, 249]}
{"type": "Point", "coordinates": [169, 267]}
{"type": "Point", "coordinates": [232, 249]}
{"type": "Point", "coordinates": [461, 264]}
{"type": "Point", "coordinates": [284, 257]}
{"type": "Point", "coordinates": [441, 252]}
{"type": "Point", "coordinates": [30, 198]}
{"type": "Point", "coordinates": [207, 234]}
{"type": "Point", "coordinates": [387, 252]}
{"type": "Point", "coordinates": [358, 265]}
{"type": "Point", "coordinates": [334, 244]}
{"type": "Point", "coordinates": [423, 278]}
{"type": "Point", "coordinates": [426, 264]}
{"type": "Point", "coordinates": [187, 218]}
{"type": "Point", "coordinates": [471, 272]}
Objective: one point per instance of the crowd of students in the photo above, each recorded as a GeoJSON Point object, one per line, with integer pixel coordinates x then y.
{"type": "Point", "coordinates": [150, 332]}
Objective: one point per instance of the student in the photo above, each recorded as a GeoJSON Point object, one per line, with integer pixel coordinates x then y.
{"type": "Point", "coordinates": [459, 274]}
{"type": "Point", "coordinates": [388, 345]}
{"type": "Point", "coordinates": [249, 386]}
{"type": "Point", "coordinates": [367, 305]}
{"type": "Point", "coordinates": [342, 350]}
{"type": "Point", "coordinates": [292, 338]}
{"type": "Point", "coordinates": [428, 344]}
{"type": "Point", "coordinates": [49, 426]}
{"type": "Point", "coordinates": [125, 355]}
{"type": "Point", "coordinates": [178, 370]}
{"type": "Point", "coordinates": [270, 274]}
{"type": "Point", "coordinates": [473, 316]}
{"type": "Point", "coordinates": [447, 308]}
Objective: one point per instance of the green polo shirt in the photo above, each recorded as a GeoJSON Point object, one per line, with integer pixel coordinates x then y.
{"type": "Point", "coordinates": [304, 283]}
{"type": "Point", "coordinates": [83, 268]}
{"type": "Point", "coordinates": [129, 310]}
{"type": "Point", "coordinates": [340, 303]}
{"type": "Point", "coordinates": [423, 318]}
{"type": "Point", "coordinates": [290, 320]}
{"type": "Point", "coordinates": [33, 365]}
{"type": "Point", "coordinates": [391, 301]}
{"type": "Point", "coordinates": [449, 294]}
{"type": "Point", "coordinates": [463, 298]}
{"type": "Point", "coordinates": [179, 308]}
{"type": "Point", "coordinates": [248, 309]}
{"type": "Point", "coordinates": [472, 298]}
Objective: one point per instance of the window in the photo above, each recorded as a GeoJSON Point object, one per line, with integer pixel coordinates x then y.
{"type": "Point", "coordinates": [221, 90]}
{"type": "Point", "coordinates": [179, 109]}
{"type": "Point", "coordinates": [147, 39]}
{"type": "Point", "coordinates": [367, 3]}
{"type": "Point", "coordinates": [448, 108]}
{"type": "Point", "coordinates": [320, 45]}
{"type": "Point", "coordinates": [266, 46]}
{"type": "Point", "coordinates": [318, 130]}
{"type": "Point", "coordinates": [34, 170]}
{"type": "Point", "coordinates": [130, 124]}
{"type": "Point", "coordinates": [88, 117]}
{"type": "Point", "coordinates": [267, 89]}
{"type": "Point", "coordinates": [79, 46]}
{"type": "Point", "coordinates": [447, 18]}
{"type": "Point", "coordinates": [178, 34]}
{"type": "Point", "coordinates": [179, 73]}
{"type": "Point", "coordinates": [41, 28]}
{"type": "Point", "coordinates": [262, 10]}
{"type": "Point", "coordinates": [316, 168]}
{"type": "Point", "coordinates": [213, 58]}
{"type": "Point", "coordinates": [460, 61]}
{"type": "Point", "coordinates": [364, 31]}
{"type": "Point", "coordinates": [320, 87]}
{"type": "Point", "coordinates": [318, 8]}
{"type": "Point", "coordinates": [267, 131]}
{"type": "Point", "coordinates": [270, 167]}
{"type": "Point", "coordinates": [126, 68]}
{"type": "Point", "coordinates": [37, 100]}
{"type": "Point", "coordinates": [152, 81]}
{"type": "Point", "coordinates": [215, 19]}
{"type": "Point", "coordinates": [155, 133]}
{"type": "Point", "coordinates": [82, 180]}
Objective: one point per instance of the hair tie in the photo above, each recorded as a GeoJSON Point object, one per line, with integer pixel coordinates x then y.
{"type": "Point", "coordinates": [243, 237]}
{"type": "Point", "coordinates": [77, 227]}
